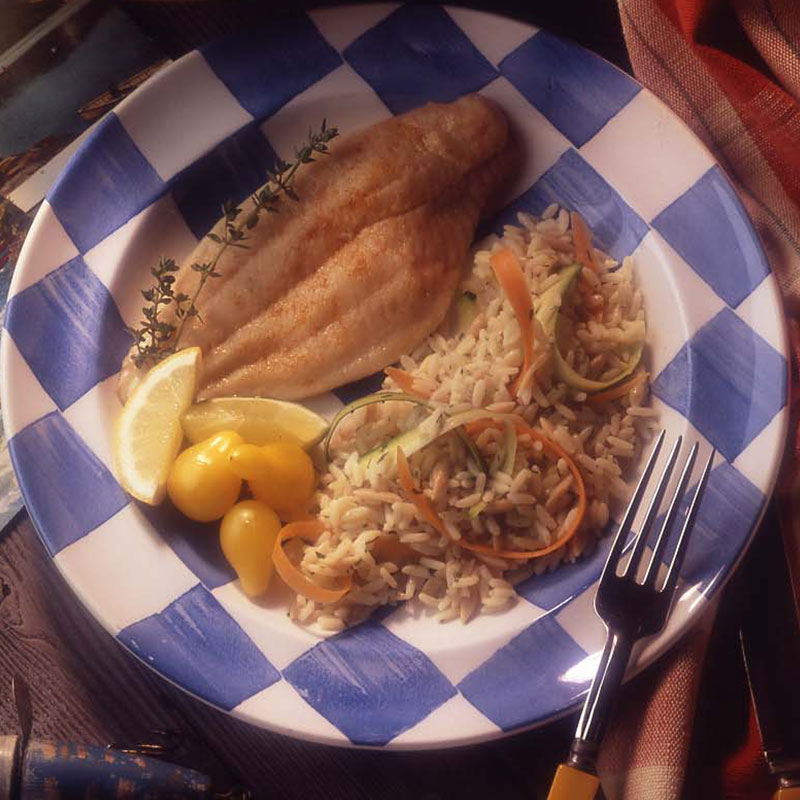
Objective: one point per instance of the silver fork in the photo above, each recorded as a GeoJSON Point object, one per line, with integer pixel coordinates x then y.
{"type": "Point", "coordinates": [630, 610]}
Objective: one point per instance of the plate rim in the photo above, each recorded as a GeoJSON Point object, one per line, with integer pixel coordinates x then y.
{"type": "Point", "coordinates": [661, 642]}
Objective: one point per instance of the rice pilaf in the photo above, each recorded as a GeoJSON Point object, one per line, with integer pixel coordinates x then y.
{"type": "Point", "coordinates": [513, 494]}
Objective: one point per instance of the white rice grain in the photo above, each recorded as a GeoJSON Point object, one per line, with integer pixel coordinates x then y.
{"type": "Point", "coordinates": [527, 506]}
{"type": "Point", "coordinates": [330, 623]}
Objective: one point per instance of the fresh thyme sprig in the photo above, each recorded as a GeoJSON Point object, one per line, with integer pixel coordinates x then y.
{"type": "Point", "coordinates": [153, 334]}
{"type": "Point", "coordinates": [155, 338]}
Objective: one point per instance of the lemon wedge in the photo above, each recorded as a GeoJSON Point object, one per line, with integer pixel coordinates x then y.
{"type": "Point", "coordinates": [148, 433]}
{"type": "Point", "coordinates": [257, 419]}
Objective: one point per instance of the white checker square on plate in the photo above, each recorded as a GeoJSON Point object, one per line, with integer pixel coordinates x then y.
{"type": "Point", "coordinates": [342, 30]}
{"type": "Point", "coordinates": [342, 97]}
{"type": "Point", "coordinates": [677, 301]}
{"type": "Point", "coordinates": [667, 331]}
{"type": "Point", "coordinates": [281, 701]}
{"type": "Point", "coordinates": [28, 401]}
{"type": "Point", "coordinates": [546, 143]}
{"type": "Point", "coordinates": [689, 601]}
{"type": "Point", "coordinates": [493, 35]}
{"type": "Point", "coordinates": [53, 248]}
{"type": "Point", "coordinates": [327, 405]}
{"type": "Point", "coordinates": [92, 417]}
{"type": "Point", "coordinates": [579, 619]}
{"type": "Point", "coordinates": [456, 657]}
{"type": "Point", "coordinates": [753, 461]}
{"type": "Point", "coordinates": [456, 713]}
{"type": "Point", "coordinates": [124, 571]}
{"type": "Point", "coordinates": [266, 622]}
{"type": "Point", "coordinates": [169, 119]}
{"type": "Point", "coordinates": [757, 310]}
{"type": "Point", "coordinates": [645, 138]}
{"type": "Point", "coordinates": [122, 261]}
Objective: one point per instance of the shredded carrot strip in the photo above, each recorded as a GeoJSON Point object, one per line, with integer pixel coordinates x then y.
{"type": "Point", "coordinates": [582, 240]}
{"type": "Point", "coordinates": [405, 381]}
{"type": "Point", "coordinates": [390, 548]}
{"type": "Point", "coordinates": [508, 272]}
{"type": "Point", "coordinates": [424, 506]}
{"type": "Point", "coordinates": [292, 577]}
{"type": "Point", "coordinates": [615, 392]}
{"type": "Point", "coordinates": [428, 513]}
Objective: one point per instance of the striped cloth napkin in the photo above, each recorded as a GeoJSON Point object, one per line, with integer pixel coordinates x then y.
{"type": "Point", "coordinates": [731, 70]}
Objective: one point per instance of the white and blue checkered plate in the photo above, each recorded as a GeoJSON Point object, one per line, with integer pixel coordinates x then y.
{"type": "Point", "coordinates": [150, 181]}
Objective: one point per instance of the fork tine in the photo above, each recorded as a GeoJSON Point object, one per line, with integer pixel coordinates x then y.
{"type": "Point", "coordinates": [630, 512]}
{"type": "Point", "coordinates": [652, 510]}
{"type": "Point", "coordinates": [666, 527]}
{"type": "Point", "coordinates": [677, 559]}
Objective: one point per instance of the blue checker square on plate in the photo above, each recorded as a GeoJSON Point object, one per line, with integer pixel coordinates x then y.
{"type": "Point", "coordinates": [729, 509]}
{"type": "Point", "coordinates": [710, 381]}
{"type": "Point", "coordinates": [360, 388]}
{"type": "Point", "coordinates": [264, 68]}
{"type": "Point", "coordinates": [575, 184]}
{"type": "Point", "coordinates": [552, 589]}
{"type": "Point", "coordinates": [234, 169]}
{"type": "Point", "coordinates": [418, 54]}
{"type": "Point", "coordinates": [709, 228]}
{"type": "Point", "coordinates": [100, 192]}
{"type": "Point", "coordinates": [198, 645]}
{"type": "Point", "coordinates": [197, 544]}
{"type": "Point", "coordinates": [528, 678]}
{"type": "Point", "coordinates": [69, 331]}
{"type": "Point", "coordinates": [576, 90]}
{"type": "Point", "coordinates": [74, 493]}
{"type": "Point", "coordinates": [369, 683]}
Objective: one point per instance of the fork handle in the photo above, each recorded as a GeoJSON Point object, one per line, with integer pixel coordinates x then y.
{"type": "Point", "coordinates": [600, 701]}
{"type": "Point", "coordinates": [573, 784]}
{"type": "Point", "coordinates": [577, 779]}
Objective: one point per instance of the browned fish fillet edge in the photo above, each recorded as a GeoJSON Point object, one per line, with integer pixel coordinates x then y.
{"type": "Point", "coordinates": [500, 162]}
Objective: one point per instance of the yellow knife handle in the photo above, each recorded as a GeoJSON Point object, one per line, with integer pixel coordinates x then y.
{"type": "Point", "coordinates": [787, 793]}
{"type": "Point", "coordinates": [574, 784]}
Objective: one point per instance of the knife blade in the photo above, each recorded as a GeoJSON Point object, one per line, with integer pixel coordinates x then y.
{"type": "Point", "coordinates": [770, 640]}
{"type": "Point", "coordinates": [22, 700]}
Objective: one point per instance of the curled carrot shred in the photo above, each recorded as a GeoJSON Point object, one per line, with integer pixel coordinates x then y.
{"type": "Point", "coordinates": [405, 381]}
{"type": "Point", "coordinates": [291, 575]}
{"type": "Point", "coordinates": [423, 505]}
{"type": "Point", "coordinates": [511, 278]}
{"type": "Point", "coordinates": [390, 548]}
{"type": "Point", "coordinates": [582, 241]}
{"type": "Point", "coordinates": [428, 513]}
{"type": "Point", "coordinates": [615, 392]}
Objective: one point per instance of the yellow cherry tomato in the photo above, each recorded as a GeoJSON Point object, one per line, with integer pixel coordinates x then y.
{"type": "Point", "coordinates": [280, 474]}
{"type": "Point", "coordinates": [201, 482]}
{"type": "Point", "coordinates": [247, 534]}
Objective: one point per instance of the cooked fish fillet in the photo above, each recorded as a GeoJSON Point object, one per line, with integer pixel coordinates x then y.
{"type": "Point", "coordinates": [342, 282]}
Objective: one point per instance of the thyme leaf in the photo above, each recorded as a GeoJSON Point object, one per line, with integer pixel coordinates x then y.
{"type": "Point", "coordinates": [154, 338]}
